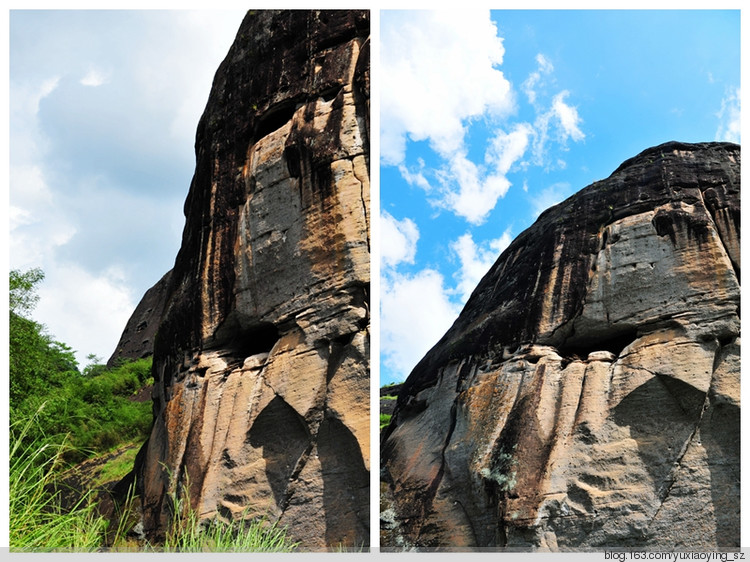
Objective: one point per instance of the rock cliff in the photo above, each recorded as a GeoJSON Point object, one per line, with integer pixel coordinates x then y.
{"type": "Point", "coordinates": [261, 361]}
{"type": "Point", "coordinates": [137, 339]}
{"type": "Point", "coordinates": [588, 396]}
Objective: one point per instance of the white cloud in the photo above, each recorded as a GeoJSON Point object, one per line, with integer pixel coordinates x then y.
{"type": "Point", "coordinates": [27, 144]}
{"type": "Point", "coordinates": [476, 260]}
{"type": "Point", "coordinates": [415, 178]}
{"type": "Point", "coordinates": [437, 71]}
{"type": "Point", "coordinates": [398, 240]}
{"type": "Point", "coordinates": [568, 118]}
{"type": "Point", "coordinates": [94, 78]}
{"type": "Point", "coordinates": [559, 123]}
{"type": "Point", "coordinates": [477, 191]}
{"type": "Point", "coordinates": [506, 149]}
{"type": "Point", "coordinates": [87, 312]}
{"type": "Point", "coordinates": [98, 174]}
{"type": "Point", "coordinates": [439, 75]}
{"type": "Point", "coordinates": [544, 66]}
{"type": "Point", "coordinates": [415, 312]}
{"type": "Point", "coordinates": [472, 191]}
{"type": "Point", "coordinates": [729, 118]}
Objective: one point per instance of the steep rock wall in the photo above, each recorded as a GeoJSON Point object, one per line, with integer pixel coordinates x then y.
{"type": "Point", "coordinates": [261, 362]}
{"type": "Point", "coordinates": [137, 339]}
{"type": "Point", "coordinates": [588, 394]}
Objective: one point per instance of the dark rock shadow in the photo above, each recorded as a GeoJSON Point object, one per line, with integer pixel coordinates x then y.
{"type": "Point", "coordinates": [662, 415]}
{"type": "Point", "coordinates": [282, 434]}
{"type": "Point", "coordinates": [346, 486]}
{"type": "Point", "coordinates": [720, 436]}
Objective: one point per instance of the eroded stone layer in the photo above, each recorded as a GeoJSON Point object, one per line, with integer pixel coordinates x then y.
{"type": "Point", "coordinates": [261, 362]}
{"type": "Point", "coordinates": [588, 396]}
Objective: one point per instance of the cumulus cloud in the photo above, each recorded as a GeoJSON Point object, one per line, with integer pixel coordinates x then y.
{"type": "Point", "coordinates": [469, 191]}
{"type": "Point", "coordinates": [437, 71]}
{"type": "Point", "coordinates": [472, 190]}
{"type": "Point", "coordinates": [476, 260]}
{"type": "Point", "coordinates": [440, 76]}
{"type": "Point", "coordinates": [729, 118]}
{"type": "Point", "coordinates": [87, 312]}
{"type": "Point", "coordinates": [398, 240]}
{"type": "Point", "coordinates": [415, 311]}
{"type": "Point", "coordinates": [101, 154]}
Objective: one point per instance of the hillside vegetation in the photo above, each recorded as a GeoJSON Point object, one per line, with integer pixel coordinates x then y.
{"type": "Point", "coordinates": [61, 415]}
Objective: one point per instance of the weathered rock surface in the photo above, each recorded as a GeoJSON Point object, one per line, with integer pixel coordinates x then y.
{"type": "Point", "coordinates": [261, 362]}
{"type": "Point", "coordinates": [588, 396]}
{"type": "Point", "coordinates": [387, 401]}
{"type": "Point", "coordinates": [137, 339]}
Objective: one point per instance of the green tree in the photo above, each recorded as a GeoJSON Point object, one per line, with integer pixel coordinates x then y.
{"type": "Point", "coordinates": [36, 360]}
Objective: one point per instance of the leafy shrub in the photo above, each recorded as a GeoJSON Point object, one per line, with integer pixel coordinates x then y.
{"type": "Point", "coordinates": [95, 412]}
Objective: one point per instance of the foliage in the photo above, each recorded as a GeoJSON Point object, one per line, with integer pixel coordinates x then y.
{"type": "Point", "coordinates": [36, 360]}
{"type": "Point", "coordinates": [504, 472]}
{"type": "Point", "coordinates": [385, 419]}
{"type": "Point", "coordinates": [36, 520]}
{"type": "Point", "coordinates": [96, 412]}
{"type": "Point", "coordinates": [60, 415]}
{"type": "Point", "coordinates": [118, 467]}
{"type": "Point", "coordinates": [391, 385]}
{"type": "Point", "coordinates": [187, 533]}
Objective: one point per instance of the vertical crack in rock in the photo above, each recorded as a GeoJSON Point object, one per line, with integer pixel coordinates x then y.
{"type": "Point", "coordinates": [606, 340]}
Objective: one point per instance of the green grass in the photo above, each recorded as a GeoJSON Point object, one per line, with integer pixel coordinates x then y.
{"type": "Point", "coordinates": [36, 521]}
{"type": "Point", "coordinates": [38, 524]}
{"type": "Point", "coordinates": [187, 533]}
{"type": "Point", "coordinates": [385, 419]}
{"type": "Point", "coordinates": [94, 412]}
{"type": "Point", "coordinates": [118, 467]}
{"type": "Point", "coordinates": [389, 397]}
{"type": "Point", "coordinates": [216, 535]}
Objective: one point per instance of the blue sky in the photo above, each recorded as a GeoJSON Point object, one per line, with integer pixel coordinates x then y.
{"type": "Point", "coordinates": [488, 118]}
{"type": "Point", "coordinates": [103, 111]}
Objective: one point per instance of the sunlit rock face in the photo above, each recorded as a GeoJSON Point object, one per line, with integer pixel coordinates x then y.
{"type": "Point", "coordinates": [588, 395]}
{"type": "Point", "coordinates": [261, 361]}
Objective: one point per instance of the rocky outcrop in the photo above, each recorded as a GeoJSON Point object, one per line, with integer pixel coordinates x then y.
{"type": "Point", "coordinates": [261, 362]}
{"type": "Point", "coordinates": [588, 394]}
{"type": "Point", "coordinates": [137, 339]}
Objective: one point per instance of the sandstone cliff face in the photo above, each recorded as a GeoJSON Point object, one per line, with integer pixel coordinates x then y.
{"type": "Point", "coordinates": [261, 362]}
{"type": "Point", "coordinates": [137, 339]}
{"type": "Point", "coordinates": [588, 395]}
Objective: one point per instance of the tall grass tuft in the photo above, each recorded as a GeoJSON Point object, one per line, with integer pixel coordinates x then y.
{"type": "Point", "coordinates": [37, 522]}
{"type": "Point", "coordinates": [188, 534]}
